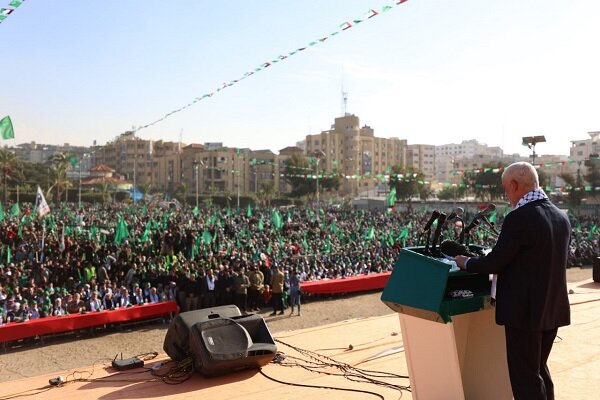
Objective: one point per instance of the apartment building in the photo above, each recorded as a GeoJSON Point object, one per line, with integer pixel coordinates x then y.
{"type": "Point", "coordinates": [355, 152]}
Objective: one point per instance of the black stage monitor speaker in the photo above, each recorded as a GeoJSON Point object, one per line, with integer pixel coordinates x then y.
{"type": "Point", "coordinates": [176, 343]}
{"type": "Point", "coordinates": [596, 272]}
{"type": "Point", "coordinates": [226, 345]}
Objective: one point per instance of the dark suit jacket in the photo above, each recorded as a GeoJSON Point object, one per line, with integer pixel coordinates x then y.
{"type": "Point", "coordinates": [530, 259]}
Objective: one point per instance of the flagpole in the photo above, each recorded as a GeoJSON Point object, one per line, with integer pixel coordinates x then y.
{"type": "Point", "coordinates": [43, 238]}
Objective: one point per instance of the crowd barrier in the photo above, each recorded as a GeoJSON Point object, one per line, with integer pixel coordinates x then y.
{"type": "Point", "coordinates": [360, 283]}
{"type": "Point", "coordinates": [52, 325]}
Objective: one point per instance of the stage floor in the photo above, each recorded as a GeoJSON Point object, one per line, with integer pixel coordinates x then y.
{"type": "Point", "coordinates": [376, 346]}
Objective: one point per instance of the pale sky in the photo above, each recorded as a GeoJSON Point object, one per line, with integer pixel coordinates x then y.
{"type": "Point", "coordinates": [429, 71]}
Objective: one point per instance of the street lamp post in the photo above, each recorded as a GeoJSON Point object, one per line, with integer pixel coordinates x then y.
{"type": "Point", "coordinates": [238, 182]}
{"type": "Point", "coordinates": [531, 141]}
{"type": "Point", "coordinates": [196, 171]}
{"type": "Point", "coordinates": [318, 155]}
{"type": "Point", "coordinates": [80, 165]}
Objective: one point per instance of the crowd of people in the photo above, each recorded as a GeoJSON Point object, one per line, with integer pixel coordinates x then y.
{"type": "Point", "coordinates": [93, 258]}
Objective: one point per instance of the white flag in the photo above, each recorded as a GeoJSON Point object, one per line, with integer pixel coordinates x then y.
{"type": "Point", "coordinates": [41, 205]}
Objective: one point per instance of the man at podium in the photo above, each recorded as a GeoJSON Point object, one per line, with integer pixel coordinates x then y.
{"type": "Point", "coordinates": [530, 258]}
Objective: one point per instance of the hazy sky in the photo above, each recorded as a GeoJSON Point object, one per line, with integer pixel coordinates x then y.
{"type": "Point", "coordinates": [430, 71]}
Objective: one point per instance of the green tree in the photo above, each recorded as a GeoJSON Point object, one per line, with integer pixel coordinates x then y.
{"type": "Point", "coordinates": [407, 182]}
{"type": "Point", "coordinates": [182, 193]}
{"type": "Point", "coordinates": [105, 193]}
{"type": "Point", "coordinates": [573, 182]}
{"type": "Point", "coordinates": [486, 184]}
{"type": "Point", "coordinates": [300, 172]}
{"type": "Point", "coordinates": [144, 188]}
{"type": "Point", "coordinates": [593, 174]}
{"type": "Point", "coordinates": [452, 192]}
{"type": "Point", "coordinates": [59, 165]}
{"type": "Point", "coordinates": [266, 193]}
{"type": "Point", "coordinates": [11, 170]}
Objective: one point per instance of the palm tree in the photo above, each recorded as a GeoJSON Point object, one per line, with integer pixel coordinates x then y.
{"type": "Point", "coordinates": [104, 190]}
{"type": "Point", "coordinates": [59, 164]}
{"type": "Point", "coordinates": [267, 192]}
{"type": "Point", "coordinates": [145, 189]}
{"type": "Point", "coordinates": [10, 163]}
{"type": "Point", "coordinates": [182, 192]}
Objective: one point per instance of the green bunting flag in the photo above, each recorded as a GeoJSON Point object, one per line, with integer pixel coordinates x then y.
{"type": "Point", "coordinates": [6, 128]}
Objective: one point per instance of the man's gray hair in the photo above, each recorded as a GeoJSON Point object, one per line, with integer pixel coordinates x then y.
{"type": "Point", "coordinates": [524, 173]}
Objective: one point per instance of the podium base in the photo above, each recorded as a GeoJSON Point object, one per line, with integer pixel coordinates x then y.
{"type": "Point", "coordinates": [463, 359]}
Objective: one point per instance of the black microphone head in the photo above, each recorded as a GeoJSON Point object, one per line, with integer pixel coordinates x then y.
{"type": "Point", "coordinates": [491, 207]}
{"type": "Point", "coordinates": [459, 210]}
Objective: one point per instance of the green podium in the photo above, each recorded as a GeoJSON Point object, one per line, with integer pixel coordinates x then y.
{"type": "Point", "coordinates": [454, 349]}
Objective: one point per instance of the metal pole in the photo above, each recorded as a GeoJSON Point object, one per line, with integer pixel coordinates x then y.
{"type": "Point", "coordinates": [238, 183]}
{"type": "Point", "coordinates": [318, 202]}
{"type": "Point", "coordinates": [196, 169]}
{"type": "Point", "coordinates": [255, 178]}
{"type": "Point", "coordinates": [80, 183]}
{"type": "Point", "coordinates": [134, 162]}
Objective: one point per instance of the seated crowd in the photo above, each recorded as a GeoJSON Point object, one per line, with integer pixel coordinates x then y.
{"type": "Point", "coordinates": [103, 258]}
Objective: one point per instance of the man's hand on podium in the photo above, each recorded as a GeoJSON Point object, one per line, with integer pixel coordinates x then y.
{"type": "Point", "coordinates": [461, 261]}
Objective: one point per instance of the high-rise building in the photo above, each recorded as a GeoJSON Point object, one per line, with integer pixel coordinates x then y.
{"type": "Point", "coordinates": [421, 157]}
{"type": "Point", "coordinates": [356, 153]}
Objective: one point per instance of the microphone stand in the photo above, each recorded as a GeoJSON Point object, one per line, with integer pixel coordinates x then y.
{"type": "Point", "coordinates": [438, 232]}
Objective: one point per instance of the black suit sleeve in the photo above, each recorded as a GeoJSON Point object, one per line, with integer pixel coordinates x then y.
{"type": "Point", "coordinates": [514, 236]}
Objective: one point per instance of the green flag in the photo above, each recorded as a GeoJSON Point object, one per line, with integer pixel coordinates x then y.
{"type": "Point", "coordinates": [206, 237]}
{"type": "Point", "coordinates": [370, 234]}
{"type": "Point", "coordinates": [1, 212]}
{"type": "Point", "coordinates": [391, 200]}
{"type": "Point", "coordinates": [492, 217]}
{"type": "Point", "coordinates": [196, 212]}
{"type": "Point", "coordinates": [249, 211]}
{"type": "Point", "coordinates": [6, 128]}
{"type": "Point", "coordinates": [277, 220]}
{"type": "Point", "coordinates": [8, 255]}
{"type": "Point", "coordinates": [260, 225]}
{"type": "Point", "coordinates": [121, 231]}
{"type": "Point", "coordinates": [333, 227]}
{"type": "Point", "coordinates": [15, 211]}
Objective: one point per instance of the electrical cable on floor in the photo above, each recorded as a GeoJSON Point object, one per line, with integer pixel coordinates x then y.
{"type": "Point", "coordinates": [320, 386]}
{"type": "Point", "coordinates": [321, 364]}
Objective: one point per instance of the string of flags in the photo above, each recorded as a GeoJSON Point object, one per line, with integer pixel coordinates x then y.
{"type": "Point", "coordinates": [500, 169]}
{"type": "Point", "coordinates": [6, 11]}
{"type": "Point", "coordinates": [282, 57]}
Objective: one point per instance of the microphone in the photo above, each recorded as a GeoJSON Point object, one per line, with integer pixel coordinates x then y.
{"type": "Point", "coordinates": [476, 220]}
{"type": "Point", "coordinates": [438, 232]}
{"type": "Point", "coordinates": [453, 249]}
{"type": "Point", "coordinates": [457, 212]}
{"type": "Point", "coordinates": [490, 225]}
{"type": "Point", "coordinates": [434, 215]}
{"type": "Point", "coordinates": [486, 211]}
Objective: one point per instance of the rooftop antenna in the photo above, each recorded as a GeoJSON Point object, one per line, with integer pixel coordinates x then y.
{"type": "Point", "coordinates": [344, 101]}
